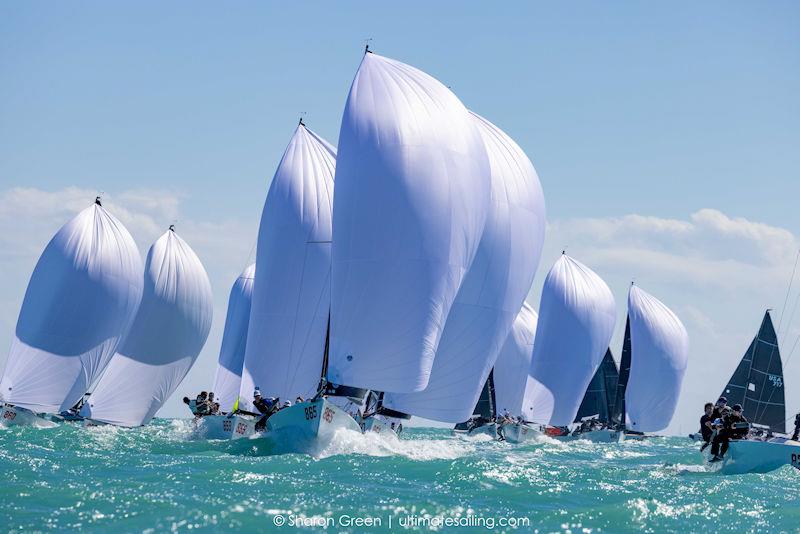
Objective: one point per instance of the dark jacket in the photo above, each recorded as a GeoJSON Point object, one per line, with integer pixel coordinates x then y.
{"type": "Point", "coordinates": [729, 423]}
{"type": "Point", "coordinates": [705, 430]}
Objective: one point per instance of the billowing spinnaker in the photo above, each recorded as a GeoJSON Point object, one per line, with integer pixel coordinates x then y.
{"type": "Point", "coordinates": [659, 354]}
{"type": "Point", "coordinates": [513, 365]}
{"type": "Point", "coordinates": [412, 193]}
{"type": "Point", "coordinates": [234, 341]}
{"type": "Point", "coordinates": [291, 294]}
{"type": "Point", "coordinates": [80, 300]}
{"type": "Point", "coordinates": [493, 290]}
{"type": "Point", "coordinates": [576, 321]}
{"type": "Point", "coordinates": [167, 334]}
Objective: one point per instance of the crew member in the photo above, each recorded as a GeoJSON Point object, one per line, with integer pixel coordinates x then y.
{"type": "Point", "coordinates": [734, 426]}
{"type": "Point", "coordinates": [265, 406]}
{"type": "Point", "coordinates": [706, 425]}
{"type": "Point", "coordinates": [796, 427]}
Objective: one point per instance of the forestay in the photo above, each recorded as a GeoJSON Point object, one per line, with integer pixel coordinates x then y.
{"type": "Point", "coordinates": [81, 298]}
{"type": "Point", "coordinates": [168, 332]}
{"type": "Point", "coordinates": [576, 320]}
{"type": "Point", "coordinates": [513, 364]}
{"type": "Point", "coordinates": [659, 354]}
{"type": "Point", "coordinates": [234, 341]}
{"type": "Point", "coordinates": [412, 192]}
{"type": "Point", "coordinates": [757, 383]}
{"type": "Point", "coordinates": [291, 296]}
{"type": "Point", "coordinates": [493, 290]}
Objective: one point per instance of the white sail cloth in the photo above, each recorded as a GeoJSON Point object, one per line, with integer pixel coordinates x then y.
{"type": "Point", "coordinates": [234, 341]}
{"type": "Point", "coordinates": [167, 334]}
{"type": "Point", "coordinates": [412, 193]}
{"type": "Point", "coordinates": [80, 300]}
{"type": "Point", "coordinates": [659, 355]}
{"type": "Point", "coordinates": [291, 294]}
{"type": "Point", "coordinates": [576, 321]}
{"type": "Point", "coordinates": [493, 290]}
{"type": "Point", "coordinates": [513, 364]}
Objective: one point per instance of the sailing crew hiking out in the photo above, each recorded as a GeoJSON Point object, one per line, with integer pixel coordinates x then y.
{"type": "Point", "coordinates": [733, 425]}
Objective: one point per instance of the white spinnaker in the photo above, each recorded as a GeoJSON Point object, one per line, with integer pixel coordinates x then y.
{"type": "Point", "coordinates": [492, 291]}
{"type": "Point", "coordinates": [80, 300]}
{"type": "Point", "coordinates": [167, 334]}
{"type": "Point", "coordinates": [513, 364]}
{"type": "Point", "coordinates": [412, 193]}
{"type": "Point", "coordinates": [659, 355]}
{"type": "Point", "coordinates": [234, 341]}
{"type": "Point", "coordinates": [291, 294]}
{"type": "Point", "coordinates": [576, 321]}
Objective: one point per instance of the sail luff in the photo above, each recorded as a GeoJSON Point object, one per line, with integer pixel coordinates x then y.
{"type": "Point", "coordinates": [513, 364]}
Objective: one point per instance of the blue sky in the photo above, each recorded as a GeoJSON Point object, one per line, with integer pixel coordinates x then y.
{"type": "Point", "coordinates": [657, 111]}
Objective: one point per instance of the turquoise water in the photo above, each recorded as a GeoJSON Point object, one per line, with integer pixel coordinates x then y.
{"type": "Point", "coordinates": [158, 479]}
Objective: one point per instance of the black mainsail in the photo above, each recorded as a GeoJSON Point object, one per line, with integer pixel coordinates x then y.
{"type": "Point", "coordinates": [618, 413]}
{"type": "Point", "coordinates": [601, 394]}
{"type": "Point", "coordinates": [757, 383]}
{"type": "Point", "coordinates": [484, 408]}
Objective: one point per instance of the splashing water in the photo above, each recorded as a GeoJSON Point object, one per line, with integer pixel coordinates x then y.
{"type": "Point", "coordinates": [159, 478]}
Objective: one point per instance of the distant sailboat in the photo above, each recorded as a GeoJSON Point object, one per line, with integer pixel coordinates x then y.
{"type": "Point", "coordinates": [167, 334]}
{"type": "Point", "coordinates": [231, 359]}
{"type": "Point", "coordinates": [493, 290]}
{"type": "Point", "coordinates": [576, 320]}
{"type": "Point", "coordinates": [80, 300]}
{"type": "Point", "coordinates": [598, 402]}
{"type": "Point", "coordinates": [654, 359]}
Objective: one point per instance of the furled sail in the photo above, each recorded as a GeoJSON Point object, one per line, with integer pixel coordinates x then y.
{"type": "Point", "coordinates": [757, 383]}
{"type": "Point", "coordinates": [412, 193]}
{"type": "Point", "coordinates": [513, 364]}
{"type": "Point", "coordinates": [291, 295]}
{"type": "Point", "coordinates": [234, 341]}
{"type": "Point", "coordinates": [659, 354]}
{"type": "Point", "coordinates": [80, 300]}
{"type": "Point", "coordinates": [167, 334]}
{"type": "Point", "coordinates": [601, 393]}
{"type": "Point", "coordinates": [576, 320]}
{"type": "Point", "coordinates": [493, 290]}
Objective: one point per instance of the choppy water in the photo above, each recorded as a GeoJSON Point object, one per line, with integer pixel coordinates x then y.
{"type": "Point", "coordinates": [158, 479]}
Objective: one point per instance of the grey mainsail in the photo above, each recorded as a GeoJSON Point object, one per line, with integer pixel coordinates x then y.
{"type": "Point", "coordinates": [757, 383]}
{"type": "Point", "coordinates": [600, 396]}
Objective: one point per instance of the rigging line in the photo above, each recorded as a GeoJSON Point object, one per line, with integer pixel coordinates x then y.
{"type": "Point", "coordinates": [785, 363]}
{"type": "Point", "coordinates": [791, 317]}
{"type": "Point", "coordinates": [789, 290]}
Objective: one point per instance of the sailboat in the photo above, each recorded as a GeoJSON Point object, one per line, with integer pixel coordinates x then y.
{"type": "Point", "coordinates": [595, 413]}
{"type": "Point", "coordinates": [576, 321]}
{"type": "Point", "coordinates": [511, 385]}
{"type": "Point", "coordinates": [493, 290]}
{"type": "Point", "coordinates": [167, 334]}
{"type": "Point", "coordinates": [653, 362]}
{"type": "Point", "coordinates": [287, 330]}
{"type": "Point", "coordinates": [231, 359]}
{"type": "Point", "coordinates": [758, 385]}
{"type": "Point", "coordinates": [410, 204]}
{"type": "Point", "coordinates": [81, 298]}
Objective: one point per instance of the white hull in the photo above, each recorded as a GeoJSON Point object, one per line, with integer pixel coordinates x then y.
{"type": "Point", "coordinates": [225, 426]}
{"type": "Point", "coordinates": [307, 427]}
{"type": "Point", "coordinates": [378, 425]}
{"type": "Point", "coordinates": [517, 433]}
{"type": "Point", "coordinates": [751, 456]}
{"type": "Point", "coordinates": [16, 416]}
